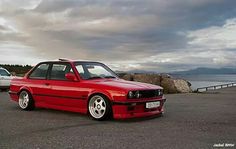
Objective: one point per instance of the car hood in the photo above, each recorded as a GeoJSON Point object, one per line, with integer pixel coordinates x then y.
{"type": "Point", "coordinates": [6, 77]}
{"type": "Point", "coordinates": [123, 84]}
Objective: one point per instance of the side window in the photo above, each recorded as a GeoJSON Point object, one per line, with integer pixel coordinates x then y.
{"type": "Point", "coordinates": [40, 72]}
{"type": "Point", "coordinates": [59, 71]}
{"type": "Point", "coordinates": [4, 73]}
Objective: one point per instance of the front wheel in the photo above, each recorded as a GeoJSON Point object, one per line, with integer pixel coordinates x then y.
{"type": "Point", "coordinates": [26, 101]}
{"type": "Point", "coordinates": [99, 107]}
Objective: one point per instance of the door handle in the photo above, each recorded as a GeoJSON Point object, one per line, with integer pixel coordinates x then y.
{"type": "Point", "coordinates": [47, 84]}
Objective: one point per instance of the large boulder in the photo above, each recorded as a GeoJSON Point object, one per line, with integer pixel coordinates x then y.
{"type": "Point", "coordinates": [145, 78]}
{"type": "Point", "coordinates": [169, 84]}
{"type": "Point", "coordinates": [182, 86]}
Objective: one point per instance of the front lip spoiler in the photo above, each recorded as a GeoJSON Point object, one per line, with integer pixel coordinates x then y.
{"type": "Point", "coordinates": [140, 102]}
{"type": "Point", "coordinates": [164, 100]}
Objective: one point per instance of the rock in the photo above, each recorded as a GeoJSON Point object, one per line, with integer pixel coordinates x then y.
{"type": "Point", "coordinates": [182, 86]}
{"type": "Point", "coordinates": [128, 77]}
{"type": "Point", "coordinates": [147, 78]}
{"type": "Point", "coordinates": [170, 85]}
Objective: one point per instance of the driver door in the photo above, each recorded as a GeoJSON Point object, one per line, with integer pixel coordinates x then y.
{"type": "Point", "coordinates": [63, 92]}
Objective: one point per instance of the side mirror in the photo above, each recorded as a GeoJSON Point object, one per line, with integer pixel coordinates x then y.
{"type": "Point", "coordinates": [71, 76]}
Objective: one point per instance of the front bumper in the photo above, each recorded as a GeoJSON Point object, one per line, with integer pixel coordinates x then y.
{"type": "Point", "coordinates": [124, 110]}
{"type": "Point", "coordinates": [13, 95]}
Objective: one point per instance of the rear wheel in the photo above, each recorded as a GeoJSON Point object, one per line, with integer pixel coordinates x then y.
{"type": "Point", "coordinates": [99, 107]}
{"type": "Point", "coordinates": [26, 101]}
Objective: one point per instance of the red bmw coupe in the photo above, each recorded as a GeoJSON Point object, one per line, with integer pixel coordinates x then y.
{"type": "Point", "coordinates": [85, 87]}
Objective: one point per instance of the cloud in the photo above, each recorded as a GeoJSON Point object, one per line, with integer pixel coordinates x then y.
{"type": "Point", "coordinates": [15, 53]}
{"type": "Point", "coordinates": [152, 35]}
{"type": "Point", "coordinates": [215, 37]}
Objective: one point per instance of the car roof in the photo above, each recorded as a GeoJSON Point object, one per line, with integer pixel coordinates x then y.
{"type": "Point", "coordinates": [2, 68]}
{"type": "Point", "coordinates": [67, 60]}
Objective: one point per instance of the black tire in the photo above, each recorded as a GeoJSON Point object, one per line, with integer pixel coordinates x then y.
{"type": "Point", "coordinates": [23, 104]}
{"type": "Point", "coordinates": [104, 104]}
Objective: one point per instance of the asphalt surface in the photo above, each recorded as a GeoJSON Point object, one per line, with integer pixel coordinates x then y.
{"type": "Point", "coordinates": [190, 121]}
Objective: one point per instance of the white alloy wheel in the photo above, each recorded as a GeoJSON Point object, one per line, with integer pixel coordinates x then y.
{"type": "Point", "coordinates": [24, 100]}
{"type": "Point", "coordinates": [98, 107]}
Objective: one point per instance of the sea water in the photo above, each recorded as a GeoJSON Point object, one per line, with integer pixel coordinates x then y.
{"type": "Point", "coordinates": [198, 81]}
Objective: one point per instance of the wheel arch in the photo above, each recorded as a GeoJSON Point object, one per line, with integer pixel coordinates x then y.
{"type": "Point", "coordinates": [106, 94]}
{"type": "Point", "coordinates": [24, 88]}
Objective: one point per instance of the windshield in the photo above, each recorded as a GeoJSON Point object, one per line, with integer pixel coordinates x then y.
{"type": "Point", "coordinates": [4, 73]}
{"type": "Point", "coordinates": [94, 71]}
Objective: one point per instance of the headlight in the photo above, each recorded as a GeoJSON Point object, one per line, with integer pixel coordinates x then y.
{"type": "Point", "coordinates": [137, 94]}
{"type": "Point", "coordinates": [159, 92]}
{"type": "Point", "coordinates": [145, 94]}
{"type": "Point", "coordinates": [133, 94]}
{"type": "Point", "coordinates": [130, 94]}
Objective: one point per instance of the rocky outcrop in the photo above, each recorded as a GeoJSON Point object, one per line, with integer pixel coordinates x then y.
{"type": "Point", "coordinates": [145, 78]}
{"type": "Point", "coordinates": [170, 85]}
{"type": "Point", "coordinates": [182, 86]}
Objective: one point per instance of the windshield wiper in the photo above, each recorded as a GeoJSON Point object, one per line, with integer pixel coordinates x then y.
{"type": "Point", "coordinates": [109, 77]}
{"type": "Point", "coordinates": [97, 77]}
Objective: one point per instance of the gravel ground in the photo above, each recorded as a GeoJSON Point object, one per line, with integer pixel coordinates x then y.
{"type": "Point", "coordinates": [190, 121]}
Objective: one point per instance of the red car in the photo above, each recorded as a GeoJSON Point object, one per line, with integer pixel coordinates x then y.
{"type": "Point", "coordinates": [85, 87]}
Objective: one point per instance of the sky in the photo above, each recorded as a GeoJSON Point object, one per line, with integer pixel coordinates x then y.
{"type": "Point", "coordinates": [151, 35]}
